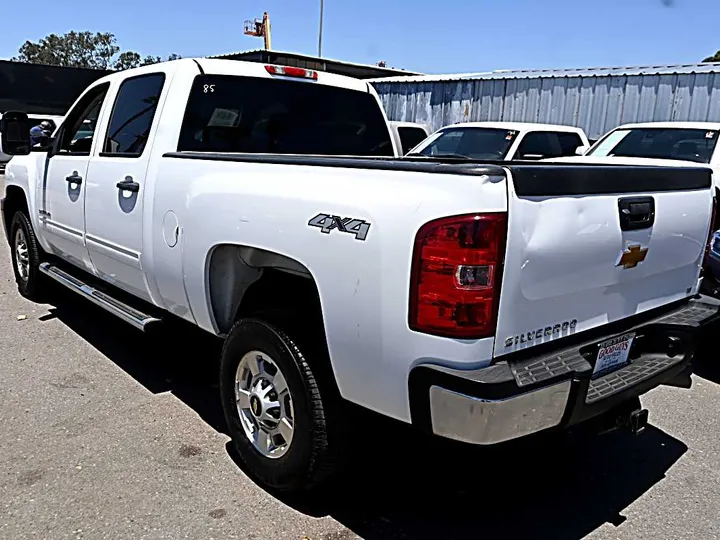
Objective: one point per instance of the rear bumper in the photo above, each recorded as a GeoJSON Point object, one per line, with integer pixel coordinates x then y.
{"type": "Point", "coordinates": [554, 389]}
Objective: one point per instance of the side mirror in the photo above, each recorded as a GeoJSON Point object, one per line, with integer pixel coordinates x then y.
{"type": "Point", "coordinates": [580, 150]}
{"type": "Point", "coordinates": [15, 133]}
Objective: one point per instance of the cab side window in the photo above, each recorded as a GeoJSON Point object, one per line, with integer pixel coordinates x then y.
{"type": "Point", "coordinates": [132, 115]}
{"type": "Point", "coordinates": [78, 128]}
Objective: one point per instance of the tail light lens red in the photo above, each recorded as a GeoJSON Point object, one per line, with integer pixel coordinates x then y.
{"type": "Point", "coordinates": [456, 274]}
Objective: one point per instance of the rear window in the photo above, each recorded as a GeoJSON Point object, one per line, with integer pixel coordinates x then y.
{"type": "Point", "coordinates": [469, 142]}
{"type": "Point", "coordinates": [659, 143]}
{"type": "Point", "coordinates": [275, 116]}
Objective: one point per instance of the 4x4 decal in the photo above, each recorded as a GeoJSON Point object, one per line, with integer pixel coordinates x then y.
{"type": "Point", "coordinates": [327, 222]}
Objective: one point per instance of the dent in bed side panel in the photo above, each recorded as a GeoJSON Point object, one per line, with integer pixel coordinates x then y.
{"type": "Point", "coordinates": [363, 285]}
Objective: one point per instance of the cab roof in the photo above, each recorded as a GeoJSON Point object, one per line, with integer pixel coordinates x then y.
{"type": "Point", "coordinates": [239, 68]}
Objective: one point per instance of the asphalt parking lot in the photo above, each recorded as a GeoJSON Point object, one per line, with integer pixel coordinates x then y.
{"type": "Point", "coordinates": [109, 433]}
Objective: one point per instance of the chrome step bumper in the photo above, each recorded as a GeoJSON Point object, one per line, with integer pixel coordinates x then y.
{"type": "Point", "coordinates": [522, 395]}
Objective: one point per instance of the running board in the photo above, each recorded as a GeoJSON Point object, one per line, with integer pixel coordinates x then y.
{"type": "Point", "coordinates": [121, 310]}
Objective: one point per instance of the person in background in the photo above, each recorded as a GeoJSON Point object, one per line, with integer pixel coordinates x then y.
{"type": "Point", "coordinates": [38, 132]}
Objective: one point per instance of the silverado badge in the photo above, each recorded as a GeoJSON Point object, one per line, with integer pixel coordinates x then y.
{"type": "Point", "coordinates": [632, 256]}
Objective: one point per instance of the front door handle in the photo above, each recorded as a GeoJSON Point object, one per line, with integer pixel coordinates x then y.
{"type": "Point", "coordinates": [128, 185]}
{"type": "Point", "coordinates": [74, 178]}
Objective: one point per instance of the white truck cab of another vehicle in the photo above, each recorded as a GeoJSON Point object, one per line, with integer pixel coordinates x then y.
{"type": "Point", "coordinates": [502, 141]}
{"type": "Point", "coordinates": [265, 205]}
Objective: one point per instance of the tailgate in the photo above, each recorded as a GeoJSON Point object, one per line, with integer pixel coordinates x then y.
{"type": "Point", "coordinates": [593, 244]}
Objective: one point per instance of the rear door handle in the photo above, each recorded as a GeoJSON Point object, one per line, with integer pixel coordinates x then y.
{"type": "Point", "coordinates": [74, 178]}
{"type": "Point", "coordinates": [128, 185]}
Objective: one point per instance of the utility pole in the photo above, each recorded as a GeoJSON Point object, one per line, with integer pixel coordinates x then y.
{"type": "Point", "coordinates": [260, 28]}
{"type": "Point", "coordinates": [322, 8]}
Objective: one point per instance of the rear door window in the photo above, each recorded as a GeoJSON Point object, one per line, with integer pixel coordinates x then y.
{"type": "Point", "coordinates": [275, 116]}
{"type": "Point", "coordinates": [132, 115]}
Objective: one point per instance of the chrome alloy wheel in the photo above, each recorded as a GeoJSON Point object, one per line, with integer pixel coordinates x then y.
{"type": "Point", "coordinates": [264, 404]}
{"type": "Point", "coordinates": [22, 257]}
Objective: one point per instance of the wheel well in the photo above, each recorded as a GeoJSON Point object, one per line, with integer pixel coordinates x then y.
{"type": "Point", "coordinates": [249, 282]}
{"type": "Point", "coordinates": [14, 200]}
{"type": "Point", "coordinates": [245, 281]}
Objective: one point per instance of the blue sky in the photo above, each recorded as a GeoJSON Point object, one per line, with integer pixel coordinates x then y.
{"type": "Point", "coordinates": [431, 36]}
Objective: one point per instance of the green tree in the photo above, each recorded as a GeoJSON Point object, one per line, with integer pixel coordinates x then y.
{"type": "Point", "coordinates": [83, 49]}
{"type": "Point", "coordinates": [714, 58]}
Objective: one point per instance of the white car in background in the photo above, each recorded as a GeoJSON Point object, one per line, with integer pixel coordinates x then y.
{"type": "Point", "coordinates": [35, 119]}
{"type": "Point", "coordinates": [503, 141]}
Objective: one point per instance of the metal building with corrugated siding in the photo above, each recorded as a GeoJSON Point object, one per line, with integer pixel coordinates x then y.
{"type": "Point", "coordinates": [596, 99]}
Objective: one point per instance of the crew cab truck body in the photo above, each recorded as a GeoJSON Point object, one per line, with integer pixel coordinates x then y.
{"type": "Point", "coordinates": [480, 302]}
{"type": "Point", "coordinates": [504, 141]}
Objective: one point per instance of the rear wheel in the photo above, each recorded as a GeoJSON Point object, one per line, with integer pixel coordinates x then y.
{"type": "Point", "coordinates": [26, 258]}
{"type": "Point", "coordinates": [274, 408]}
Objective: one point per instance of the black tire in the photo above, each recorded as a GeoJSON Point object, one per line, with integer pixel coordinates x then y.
{"type": "Point", "coordinates": [33, 287]}
{"type": "Point", "coordinates": [310, 458]}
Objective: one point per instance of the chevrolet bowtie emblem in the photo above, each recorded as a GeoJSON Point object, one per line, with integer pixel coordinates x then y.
{"type": "Point", "coordinates": [632, 256]}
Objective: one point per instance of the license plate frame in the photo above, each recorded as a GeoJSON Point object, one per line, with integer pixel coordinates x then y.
{"type": "Point", "coordinates": [613, 354]}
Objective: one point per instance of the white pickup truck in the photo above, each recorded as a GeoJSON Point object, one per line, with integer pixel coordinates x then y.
{"type": "Point", "coordinates": [479, 302]}
{"type": "Point", "coordinates": [502, 141]}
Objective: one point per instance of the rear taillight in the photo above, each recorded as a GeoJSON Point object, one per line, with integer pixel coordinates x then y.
{"type": "Point", "coordinates": [288, 71]}
{"type": "Point", "coordinates": [708, 244]}
{"type": "Point", "coordinates": [456, 274]}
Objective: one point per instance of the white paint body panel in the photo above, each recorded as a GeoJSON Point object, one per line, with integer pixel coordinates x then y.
{"type": "Point", "coordinates": [553, 264]}
{"type": "Point", "coordinates": [561, 265]}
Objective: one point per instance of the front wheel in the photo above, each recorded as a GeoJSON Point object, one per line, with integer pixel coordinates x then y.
{"type": "Point", "coordinates": [274, 409]}
{"type": "Point", "coordinates": [26, 258]}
